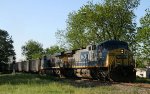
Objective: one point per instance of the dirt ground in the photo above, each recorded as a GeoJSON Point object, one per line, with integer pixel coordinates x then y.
{"type": "Point", "coordinates": [122, 86]}
{"type": "Point", "coordinates": [142, 85]}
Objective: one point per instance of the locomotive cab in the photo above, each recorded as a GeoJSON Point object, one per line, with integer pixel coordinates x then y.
{"type": "Point", "coordinates": [92, 53]}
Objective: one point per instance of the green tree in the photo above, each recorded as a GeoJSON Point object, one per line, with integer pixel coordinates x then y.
{"type": "Point", "coordinates": [130, 27]}
{"type": "Point", "coordinates": [32, 50]}
{"type": "Point", "coordinates": [143, 37]}
{"type": "Point", "coordinates": [126, 4]}
{"type": "Point", "coordinates": [100, 22]}
{"type": "Point", "coordinates": [61, 38]}
{"type": "Point", "coordinates": [53, 49]}
{"type": "Point", "coordinates": [6, 47]}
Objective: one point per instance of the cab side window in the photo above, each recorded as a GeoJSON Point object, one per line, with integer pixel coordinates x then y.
{"type": "Point", "coordinates": [93, 47]}
{"type": "Point", "coordinates": [89, 48]}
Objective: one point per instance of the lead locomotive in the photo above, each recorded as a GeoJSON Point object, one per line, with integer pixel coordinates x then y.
{"type": "Point", "coordinates": [111, 60]}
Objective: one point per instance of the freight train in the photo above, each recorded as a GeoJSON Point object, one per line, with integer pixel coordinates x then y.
{"type": "Point", "coordinates": [110, 60]}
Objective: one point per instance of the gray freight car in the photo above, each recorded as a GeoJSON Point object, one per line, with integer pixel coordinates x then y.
{"type": "Point", "coordinates": [25, 66]}
{"type": "Point", "coordinates": [34, 65]}
{"type": "Point", "coordinates": [18, 66]}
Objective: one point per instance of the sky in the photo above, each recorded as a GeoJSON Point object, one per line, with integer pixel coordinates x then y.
{"type": "Point", "coordinates": [40, 19]}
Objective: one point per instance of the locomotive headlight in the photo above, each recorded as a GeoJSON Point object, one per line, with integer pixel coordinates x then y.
{"type": "Point", "coordinates": [122, 51]}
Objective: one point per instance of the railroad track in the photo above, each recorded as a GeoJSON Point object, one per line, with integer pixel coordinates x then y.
{"type": "Point", "coordinates": [92, 82]}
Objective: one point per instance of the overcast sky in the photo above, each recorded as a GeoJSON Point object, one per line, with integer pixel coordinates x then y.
{"type": "Point", "coordinates": [40, 19]}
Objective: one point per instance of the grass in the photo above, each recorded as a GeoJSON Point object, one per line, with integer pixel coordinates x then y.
{"type": "Point", "coordinates": [36, 84]}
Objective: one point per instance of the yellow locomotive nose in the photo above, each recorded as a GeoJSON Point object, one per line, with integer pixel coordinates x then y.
{"type": "Point", "coordinates": [118, 56]}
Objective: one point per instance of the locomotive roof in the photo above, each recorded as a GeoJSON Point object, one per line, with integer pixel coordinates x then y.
{"type": "Point", "coordinates": [59, 54]}
{"type": "Point", "coordinates": [70, 52]}
{"type": "Point", "coordinates": [114, 44]}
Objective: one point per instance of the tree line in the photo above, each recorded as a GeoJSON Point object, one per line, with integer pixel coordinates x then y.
{"type": "Point", "coordinates": [98, 22]}
{"type": "Point", "coordinates": [34, 50]}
